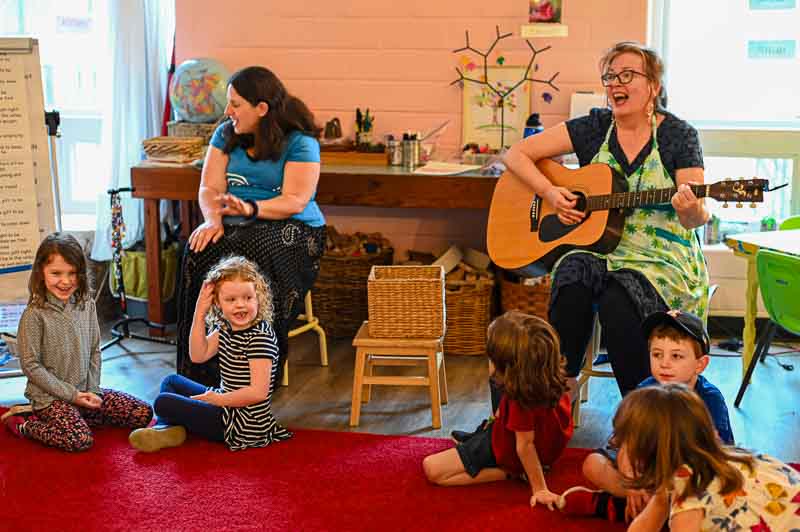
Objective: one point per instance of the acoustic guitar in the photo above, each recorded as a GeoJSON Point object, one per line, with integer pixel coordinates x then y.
{"type": "Point", "coordinates": [524, 233]}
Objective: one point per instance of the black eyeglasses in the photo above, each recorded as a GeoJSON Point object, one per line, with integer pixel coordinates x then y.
{"type": "Point", "coordinates": [624, 77]}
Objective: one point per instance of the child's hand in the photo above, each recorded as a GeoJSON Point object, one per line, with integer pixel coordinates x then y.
{"type": "Point", "coordinates": [546, 497]}
{"type": "Point", "coordinates": [88, 400]}
{"type": "Point", "coordinates": [205, 299]}
{"type": "Point", "coordinates": [211, 397]}
{"type": "Point", "coordinates": [636, 501]}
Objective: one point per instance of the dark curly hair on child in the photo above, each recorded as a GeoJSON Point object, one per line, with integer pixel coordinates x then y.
{"type": "Point", "coordinates": [527, 359]}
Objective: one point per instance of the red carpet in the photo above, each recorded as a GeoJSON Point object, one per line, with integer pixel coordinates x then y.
{"type": "Point", "coordinates": [317, 481]}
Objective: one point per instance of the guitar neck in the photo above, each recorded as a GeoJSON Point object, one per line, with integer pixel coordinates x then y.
{"type": "Point", "coordinates": [625, 200]}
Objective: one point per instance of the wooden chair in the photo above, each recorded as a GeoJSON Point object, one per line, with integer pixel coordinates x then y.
{"type": "Point", "coordinates": [311, 324]}
{"type": "Point", "coordinates": [372, 352]}
{"type": "Point", "coordinates": [588, 370]}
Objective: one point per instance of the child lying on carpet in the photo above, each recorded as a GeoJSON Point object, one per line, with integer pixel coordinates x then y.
{"type": "Point", "coordinates": [532, 424]}
{"type": "Point", "coordinates": [679, 347]}
{"type": "Point", "coordinates": [237, 303]}
{"type": "Point", "coordinates": [59, 351]}
{"type": "Point", "coordinates": [668, 438]}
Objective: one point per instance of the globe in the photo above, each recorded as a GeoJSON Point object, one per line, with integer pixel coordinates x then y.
{"type": "Point", "coordinates": [197, 90]}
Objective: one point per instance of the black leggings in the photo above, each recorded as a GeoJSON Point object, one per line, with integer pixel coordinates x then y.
{"type": "Point", "coordinates": [572, 315]}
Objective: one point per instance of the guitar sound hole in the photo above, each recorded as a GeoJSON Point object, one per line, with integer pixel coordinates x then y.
{"type": "Point", "coordinates": [551, 228]}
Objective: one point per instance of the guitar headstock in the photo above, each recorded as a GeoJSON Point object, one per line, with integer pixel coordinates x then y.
{"type": "Point", "coordinates": [739, 190]}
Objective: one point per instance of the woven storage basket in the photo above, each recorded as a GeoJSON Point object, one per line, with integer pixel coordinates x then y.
{"type": "Point", "coordinates": [469, 311]}
{"type": "Point", "coordinates": [406, 302]}
{"type": "Point", "coordinates": [190, 129]}
{"type": "Point", "coordinates": [530, 299]}
{"type": "Point", "coordinates": [340, 292]}
{"type": "Point", "coordinates": [174, 149]}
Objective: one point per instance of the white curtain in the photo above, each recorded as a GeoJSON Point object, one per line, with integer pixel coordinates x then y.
{"type": "Point", "coordinates": [141, 38]}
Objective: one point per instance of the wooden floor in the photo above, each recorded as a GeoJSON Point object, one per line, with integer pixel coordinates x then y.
{"type": "Point", "coordinates": [319, 398]}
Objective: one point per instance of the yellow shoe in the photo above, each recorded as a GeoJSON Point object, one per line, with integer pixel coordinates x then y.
{"type": "Point", "coordinates": [155, 438]}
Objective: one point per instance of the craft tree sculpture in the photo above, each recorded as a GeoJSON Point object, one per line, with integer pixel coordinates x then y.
{"type": "Point", "coordinates": [503, 93]}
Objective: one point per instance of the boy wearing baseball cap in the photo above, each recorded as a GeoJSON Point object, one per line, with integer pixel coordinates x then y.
{"type": "Point", "coordinates": [679, 345]}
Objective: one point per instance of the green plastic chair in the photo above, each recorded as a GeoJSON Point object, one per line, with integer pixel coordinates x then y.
{"type": "Point", "coordinates": [792, 222]}
{"type": "Point", "coordinates": [779, 279]}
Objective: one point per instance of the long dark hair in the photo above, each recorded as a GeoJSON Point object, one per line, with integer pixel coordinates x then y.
{"type": "Point", "coordinates": [286, 113]}
{"type": "Point", "coordinates": [527, 359]}
{"type": "Point", "coordinates": [70, 249]}
{"type": "Point", "coordinates": [665, 427]}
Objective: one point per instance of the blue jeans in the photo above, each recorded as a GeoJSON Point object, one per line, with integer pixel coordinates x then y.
{"type": "Point", "coordinates": [174, 406]}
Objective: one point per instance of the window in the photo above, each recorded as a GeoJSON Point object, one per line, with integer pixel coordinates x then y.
{"type": "Point", "coordinates": [742, 154]}
{"type": "Point", "coordinates": [732, 70]}
{"type": "Point", "coordinates": [75, 59]}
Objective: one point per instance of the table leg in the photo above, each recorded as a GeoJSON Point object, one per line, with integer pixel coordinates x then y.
{"type": "Point", "coordinates": [186, 219]}
{"type": "Point", "coordinates": [751, 308]}
{"type": "Point", "coordinates": [152, 245]}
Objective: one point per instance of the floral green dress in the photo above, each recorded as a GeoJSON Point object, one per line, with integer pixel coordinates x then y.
{"type": "Point", "coordinates": [654, 243]}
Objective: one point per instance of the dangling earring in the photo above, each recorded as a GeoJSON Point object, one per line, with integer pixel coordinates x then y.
{"type": "Point", "coordinates": [650, 108]}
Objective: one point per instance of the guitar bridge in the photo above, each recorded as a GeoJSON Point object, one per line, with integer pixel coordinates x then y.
{"type": "Point", "coordinates": [535, 206]}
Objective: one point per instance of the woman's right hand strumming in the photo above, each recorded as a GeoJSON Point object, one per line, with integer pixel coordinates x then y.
{"type": "Point", "coordinates": [564, 201]}
{"type": "Point", "coordinates": [205, 234]}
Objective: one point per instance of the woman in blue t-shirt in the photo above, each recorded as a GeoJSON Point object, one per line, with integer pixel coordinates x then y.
{"type": "Point", "coordinates": [257, 197]}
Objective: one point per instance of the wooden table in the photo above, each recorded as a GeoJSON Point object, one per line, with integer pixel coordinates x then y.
{"type": "Point", "coordinates": [747, 245]}
{"type": "Point", "coordinates": [366, 186]}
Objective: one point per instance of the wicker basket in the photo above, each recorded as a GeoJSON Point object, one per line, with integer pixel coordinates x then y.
{"type": "Point", "coordinates": [191, 129]}
{"type": "Point", "coordinates": [406, 302]}
{"type": "Point", "coordinates": [174, 149]}
{"type": "Point", "coordinates": [530, 299]}
{"type": "Point", "coordinates": [469, 311]}
{"type": "Point", "coordinates": [340, 293]}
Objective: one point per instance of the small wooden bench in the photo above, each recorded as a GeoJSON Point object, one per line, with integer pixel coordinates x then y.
{"type": "Point", "coordinates": [371, 352]}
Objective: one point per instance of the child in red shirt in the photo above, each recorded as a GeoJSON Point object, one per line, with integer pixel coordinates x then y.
{"type": "Point", "coordinates": [532, 424]}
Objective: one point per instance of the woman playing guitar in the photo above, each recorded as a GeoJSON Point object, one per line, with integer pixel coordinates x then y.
{"type": "Point", "coordinates": [658, 263]}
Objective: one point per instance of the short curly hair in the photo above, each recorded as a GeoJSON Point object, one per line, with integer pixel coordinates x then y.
{"type": "Point", "coordinates": [237, 268]}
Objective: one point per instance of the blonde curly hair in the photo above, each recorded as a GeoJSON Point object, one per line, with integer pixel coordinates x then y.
{"type": "Point", "coordinates": [237, 268]}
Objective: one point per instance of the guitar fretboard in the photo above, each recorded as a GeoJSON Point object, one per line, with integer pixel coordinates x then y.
{"type": "Point", "coordinates": [624, 200]}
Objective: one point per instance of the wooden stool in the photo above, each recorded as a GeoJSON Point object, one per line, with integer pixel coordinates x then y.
{"type": "Point", "coordinates": [311, 324]}
{"type": "Point", "coordinates": [588, 371]}
{"type": "Point", "coordinates": [371, 352]}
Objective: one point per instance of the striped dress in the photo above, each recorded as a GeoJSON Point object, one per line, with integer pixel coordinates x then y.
{"type": "Point", "coordinates": [253, 425]}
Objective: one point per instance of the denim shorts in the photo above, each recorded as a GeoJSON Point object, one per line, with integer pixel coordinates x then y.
{"type": "Point", "coordinates": [476, 452]}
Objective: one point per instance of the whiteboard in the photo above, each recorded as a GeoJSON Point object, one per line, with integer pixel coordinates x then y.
{"type": "Point", "coordinates": [27, 211]}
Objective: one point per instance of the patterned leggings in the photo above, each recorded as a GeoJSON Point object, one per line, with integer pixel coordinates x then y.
{"type": "Point", "coordinates": [67, 427]}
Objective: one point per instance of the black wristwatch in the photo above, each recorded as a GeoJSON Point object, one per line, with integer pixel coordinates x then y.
{"type": "Point", "coordinates": [254, 216]}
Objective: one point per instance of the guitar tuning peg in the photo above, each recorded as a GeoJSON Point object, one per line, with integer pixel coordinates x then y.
{"type": "Point", "coordinates": [752, 205]}
{"type": "Point", "coordinates": [738, 205]}
{"type": "Point", "coordinates": [725, 205]}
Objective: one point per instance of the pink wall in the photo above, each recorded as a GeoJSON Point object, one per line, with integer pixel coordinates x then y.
{"type": "Point", "coordinates": [395, 57]}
